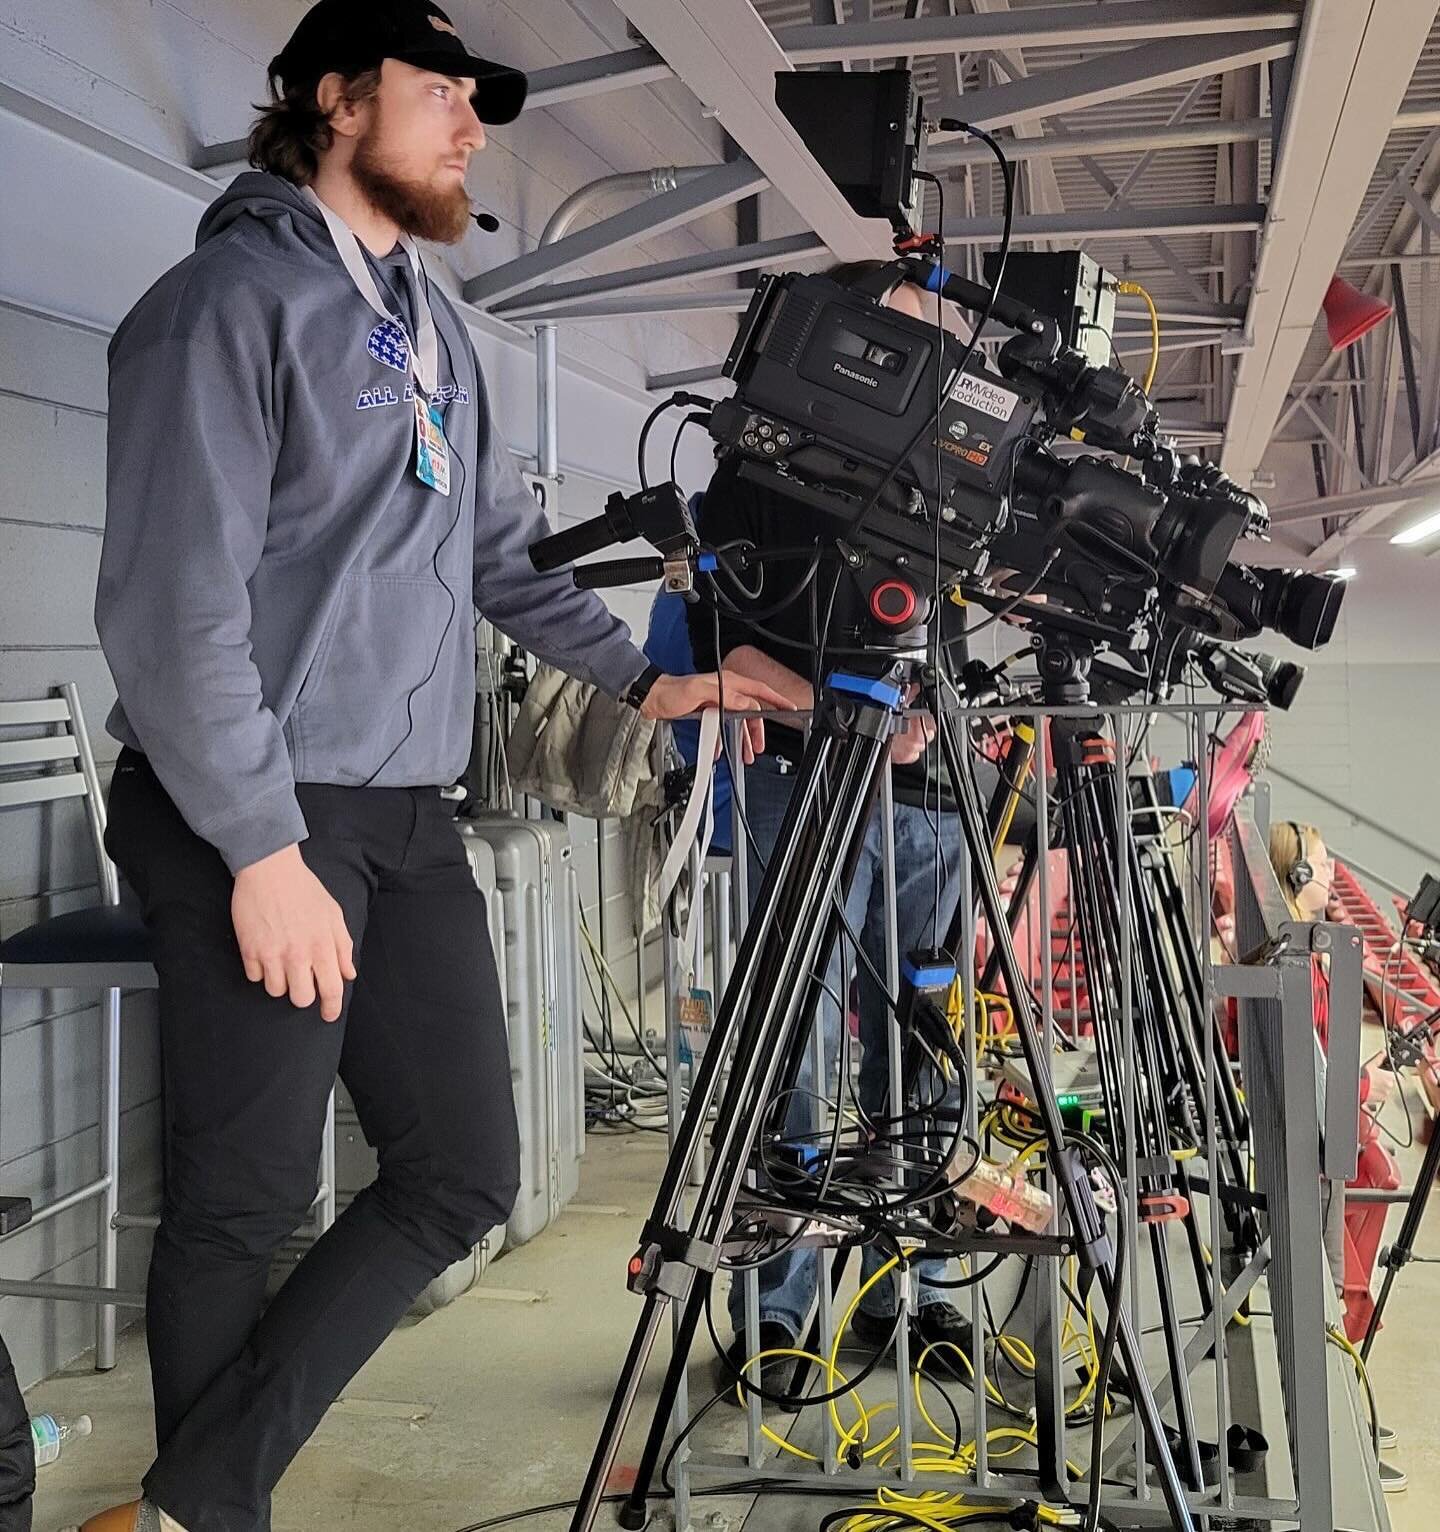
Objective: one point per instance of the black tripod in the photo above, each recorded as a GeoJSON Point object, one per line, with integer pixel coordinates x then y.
{"type": "Point", "coordinates": [1402, 1251]}
{"type": "Point", "coordinates": [763, 1021]}
{"type": "Point", "coordinates": [1119, 939]}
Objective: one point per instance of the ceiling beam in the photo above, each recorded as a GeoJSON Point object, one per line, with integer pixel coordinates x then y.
{"type": "Point", "coordinates": [1045, 26]}
{"type": "Point", "coordinates": [595, 77]}
{"type": "Point", "coordinates": [1117, 223]}
{"type": "Point", "coordinates": [1356, 500]}
{"type": "Point", "coordinates": [725, 300]}
{"type": "Point", "coordinates": [630, 67]}
{"type": "Point", "coordinates": [116, 150]}
{"type": "Point", "coordinates": [729, 58]}
{"type": "Point", "coordinates": [639, 279]}
{"type": "Point", "coordinates": [720, 187]}
{"type": "Point", "coordinates": [1119, 76]}
{"type": "Point", "coordinates": [1042, 189]}
{"type": "Point", "coordinates": [1095, 141]}
{"type": "Point", "coordinates": [662, 382]}
{"type": "Point", "coordinates": [1355, 60]}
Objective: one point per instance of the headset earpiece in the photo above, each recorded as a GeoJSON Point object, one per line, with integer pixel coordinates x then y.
{"type": "Point", "coordinates": [1301, 873]}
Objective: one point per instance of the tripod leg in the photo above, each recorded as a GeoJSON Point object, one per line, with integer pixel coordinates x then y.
{"type": "Point", "coordinates": [1403, 1249]}
{"type": "Point", "coordinates": [634, 1513]}
{"type": "Point", "coordinates": [622, 1402]}
{"type": "Point", "coordinates": [801, 879]}
{"type": "Point", "coordinates": [1074, 1186]}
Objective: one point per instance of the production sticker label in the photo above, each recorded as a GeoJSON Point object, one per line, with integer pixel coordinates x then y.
{"type": "Point", "coordinates": [989, 398]}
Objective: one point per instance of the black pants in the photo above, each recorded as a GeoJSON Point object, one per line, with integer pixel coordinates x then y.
{"type": "Point", "coordinates": [17, 1451]}
{"type": "Point", "coordinates": [421, 1047]}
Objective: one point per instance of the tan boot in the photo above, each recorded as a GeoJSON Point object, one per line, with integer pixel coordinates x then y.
{"type": "Point", "coordinates": [119, 1518]}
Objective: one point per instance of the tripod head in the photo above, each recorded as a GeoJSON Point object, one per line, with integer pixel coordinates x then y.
{"type": "Point", "coordinates": [1064, 660]}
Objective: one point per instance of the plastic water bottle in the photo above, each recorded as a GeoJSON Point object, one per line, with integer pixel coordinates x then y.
{"type": "Point", "coordinates": [51, 1432]}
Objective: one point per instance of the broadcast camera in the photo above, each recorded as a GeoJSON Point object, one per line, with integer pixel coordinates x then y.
{"type": "Point", "coordinates": [943, 472]}
{"type": "Point", "coordinates": [835, 406]}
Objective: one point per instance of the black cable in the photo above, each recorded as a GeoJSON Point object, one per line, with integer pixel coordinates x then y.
{"type": "Point", "coordinates": [1008, 178]}
{"type": "Point", "coordinates": [740, 1487]}
{"type": "Point", "coordinates": [694, 419]}
{"type": "Point", "coordinates": [435, 565]}
{"type": "Point", "coordinates": [934, 644]}
{"type": "Point", "coordinates": [785, 1401]}
{"type": "Point", "coordinates": [645, 430]}
{"type": "Point", "coordinates": [1112, 1329]}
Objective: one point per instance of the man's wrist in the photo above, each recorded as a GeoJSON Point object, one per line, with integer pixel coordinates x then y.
{"type": "Point", "coordinates": [639, 689]}
{"type": "Point", "coordinates": [257, 868]}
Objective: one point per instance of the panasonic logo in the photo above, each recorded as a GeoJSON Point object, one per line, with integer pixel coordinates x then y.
{"type": "Point", "coordinates": [859, 377]}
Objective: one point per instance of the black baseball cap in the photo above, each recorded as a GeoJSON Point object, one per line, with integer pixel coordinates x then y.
{"type": "Point", "coordinates": [354, 35]}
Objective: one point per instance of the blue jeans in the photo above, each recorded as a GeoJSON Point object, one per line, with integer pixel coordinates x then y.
{"type": "Point", "coordinates": [787, 1283]}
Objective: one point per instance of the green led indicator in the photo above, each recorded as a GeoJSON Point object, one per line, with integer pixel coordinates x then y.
{"type": "Point", "coordinates": [1068, 1098]}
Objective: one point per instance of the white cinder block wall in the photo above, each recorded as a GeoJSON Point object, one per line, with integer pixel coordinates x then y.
{"type": "Point", "coordinates": [90, 219]}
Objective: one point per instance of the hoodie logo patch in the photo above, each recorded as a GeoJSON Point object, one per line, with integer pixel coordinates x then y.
{"type": "Point", "coordinates": [378, 397]}
{"type": "Point", "coordinates": [387, 343]}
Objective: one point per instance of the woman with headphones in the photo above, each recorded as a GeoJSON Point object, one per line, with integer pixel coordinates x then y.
{"type": "Point", "coordinates": [1306, 871]}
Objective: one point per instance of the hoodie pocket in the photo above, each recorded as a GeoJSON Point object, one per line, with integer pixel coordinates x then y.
{"type": "Point", "coordinates": [380, 643]}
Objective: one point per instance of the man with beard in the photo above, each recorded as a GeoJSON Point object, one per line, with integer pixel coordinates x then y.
{"type": "Point", "coordinates": [308, 500]}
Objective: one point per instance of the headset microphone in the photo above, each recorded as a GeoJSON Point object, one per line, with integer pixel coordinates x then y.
{"type": "Point", "coordinates": [488, 222]}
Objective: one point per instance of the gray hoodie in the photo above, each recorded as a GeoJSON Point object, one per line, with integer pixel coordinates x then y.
{"type": "Point", "coordinates": [281, 599]}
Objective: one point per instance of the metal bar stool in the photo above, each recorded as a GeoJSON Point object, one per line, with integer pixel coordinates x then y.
{"type": "Point", "coordinates": [103, 947]}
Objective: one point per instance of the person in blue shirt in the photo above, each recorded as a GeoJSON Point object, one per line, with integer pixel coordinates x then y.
{"type": "Point", "coordinates": [783, 655]}
{"type": "Point", "coordinates": [667, 647]}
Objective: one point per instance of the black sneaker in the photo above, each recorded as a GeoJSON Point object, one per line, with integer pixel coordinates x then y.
{"type": "Point", "coordinates": [934, 1323]}
{"type": "Point", "coordinates": [942, 1323]}
{"type": "Point", "coordinates": [775, 1372]}
{"type": "Point", "coordinates": [868, 1332]}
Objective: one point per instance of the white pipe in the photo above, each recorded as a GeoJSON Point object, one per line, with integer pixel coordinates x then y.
{"type": "Point", "coordinates": [662, 178]}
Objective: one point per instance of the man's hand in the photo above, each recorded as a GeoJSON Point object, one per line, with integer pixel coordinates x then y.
{"type": "Point", "coordinates": [292, 932]}
{"type": "Point", "coordinates": [912, 739]}
{"type": "Point", "coordinates": [1377, 1084]}
{"type": "Point", "coordinates": [676, 696]}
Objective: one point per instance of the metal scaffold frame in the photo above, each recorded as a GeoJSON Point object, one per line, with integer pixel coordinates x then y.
{"type": "Point", "coordinates": [1274, 1373]}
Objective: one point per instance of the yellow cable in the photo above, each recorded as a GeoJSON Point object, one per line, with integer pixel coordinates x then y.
{"type": "Point", "coordinates": [1026, 734]}
{"type": "Point", "coordinates": [1135, 289]}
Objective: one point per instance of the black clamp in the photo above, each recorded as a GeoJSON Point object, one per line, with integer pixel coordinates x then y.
{"type": "Point", "coordinates": [668, 1260]}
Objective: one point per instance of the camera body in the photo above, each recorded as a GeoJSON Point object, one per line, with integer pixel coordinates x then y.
{"type": "Point", "coordinates": [833, 389]}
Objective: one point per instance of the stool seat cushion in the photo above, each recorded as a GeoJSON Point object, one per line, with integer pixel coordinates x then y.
{"type": "Point", "coordinates": [105, 933]}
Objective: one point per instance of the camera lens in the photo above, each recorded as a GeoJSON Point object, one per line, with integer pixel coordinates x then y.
{"type": "Point", "coordinates": [1300, 606]}
{"type": "Point", "coordinates": [1304, 606]}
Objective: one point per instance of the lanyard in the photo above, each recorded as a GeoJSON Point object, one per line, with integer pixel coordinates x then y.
{"type": "Point", "coordinates": [424, 349]}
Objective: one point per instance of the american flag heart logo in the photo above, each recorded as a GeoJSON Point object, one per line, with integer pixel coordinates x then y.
{"type": "Point", "coordinates": [388, 343]}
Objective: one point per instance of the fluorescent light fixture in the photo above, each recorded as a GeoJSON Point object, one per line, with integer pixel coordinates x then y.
{"type": "Point", "coordinates": [1345, 572]}
{"type": "Point", "coordinates": [1427, 526]}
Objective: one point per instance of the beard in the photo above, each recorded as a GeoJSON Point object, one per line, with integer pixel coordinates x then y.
{"type": "Point", "coordinates": [423, 210]}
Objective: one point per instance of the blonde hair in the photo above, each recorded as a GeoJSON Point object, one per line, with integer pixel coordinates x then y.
{"type": "Point", "coordinates": [1292, 842]}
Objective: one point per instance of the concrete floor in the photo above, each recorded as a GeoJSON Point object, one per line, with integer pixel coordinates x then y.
{"type": "Point", "coordinates": [493, 1404]}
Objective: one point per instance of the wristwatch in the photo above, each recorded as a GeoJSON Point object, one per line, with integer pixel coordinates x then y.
{"type": "Point", "coordinates": [640, 687]}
